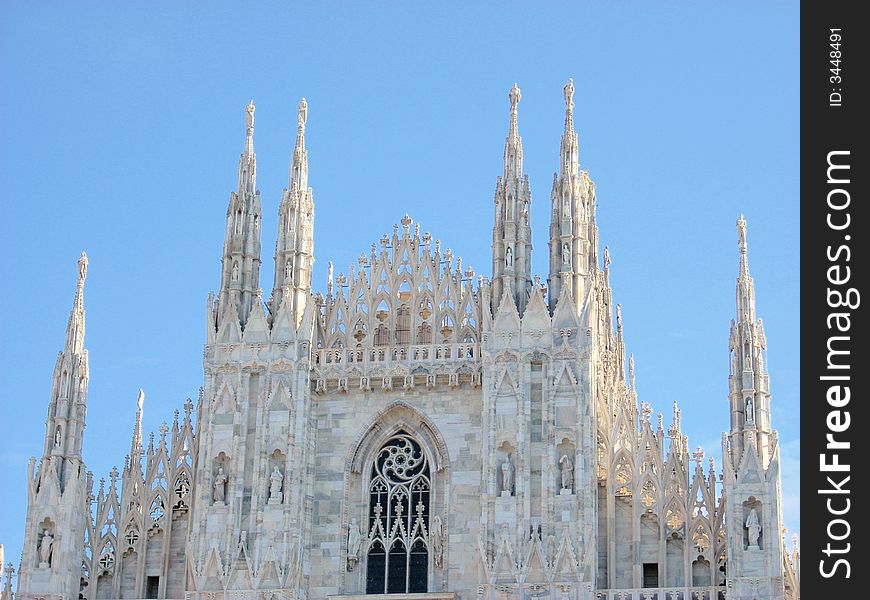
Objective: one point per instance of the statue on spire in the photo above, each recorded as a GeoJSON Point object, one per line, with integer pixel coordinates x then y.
{"type": "Point", "coordinates": [302, 114]}
{"type": "Point", "coordinates": [741, 231]}
{"type": "Point", "coordinates": [83, 268]}
{"type": "Point", "coordinates": [514, 97]}
{"type": "Point", "coordinates": [568, 91]}
{"type": "Point", "coordinates": [249, 116]}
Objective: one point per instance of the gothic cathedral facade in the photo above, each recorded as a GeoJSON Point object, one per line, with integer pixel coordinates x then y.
{"type": "Point", "coordinates": [417, 431]}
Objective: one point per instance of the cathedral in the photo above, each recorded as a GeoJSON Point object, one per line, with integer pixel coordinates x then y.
{"type": "Point", "coordinates": [417, 431]}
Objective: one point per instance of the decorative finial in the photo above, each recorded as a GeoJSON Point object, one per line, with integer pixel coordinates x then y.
{"type": "Point", "coordinates": [568, 91]}
{"type": "Point", "coordinates": [302, 114]}
{"type": "Point", "coordinates": [514, 96]}
{"type": "Point", "coordinates": [83, 268]}
{"type": "Point", "coordinates": [140, 401]}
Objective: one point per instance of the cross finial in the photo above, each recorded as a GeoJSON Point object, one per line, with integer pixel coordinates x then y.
{"type": "Point", "coordinates": [698, 455]}
{"type": "Point", "coordinates": [164, 429]}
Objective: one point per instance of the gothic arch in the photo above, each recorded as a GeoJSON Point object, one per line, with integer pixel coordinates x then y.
{"type": "Point", "coordinates": [398, 416]}
{"type": "Point", "coordinates": [399, 419]}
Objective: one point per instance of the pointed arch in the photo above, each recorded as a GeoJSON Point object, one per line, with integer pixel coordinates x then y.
{"type": "Point", "coordinates": [399, 416]}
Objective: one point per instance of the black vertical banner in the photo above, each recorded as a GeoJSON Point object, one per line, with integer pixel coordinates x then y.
{"type": "Point", "coordinates": [834, 345]}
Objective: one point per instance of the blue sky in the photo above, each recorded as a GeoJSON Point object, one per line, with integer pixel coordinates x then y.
{"type": "Point", "coordinates": [123, 124]}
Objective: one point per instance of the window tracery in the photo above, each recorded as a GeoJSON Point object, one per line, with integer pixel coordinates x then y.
{"type": "Point", "coordinates": [399, 496]}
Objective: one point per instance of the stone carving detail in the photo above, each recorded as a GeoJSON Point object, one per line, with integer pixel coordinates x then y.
{"type": "Point", "coordinates": [567, 467]}
{"type": "Point", "coordinates": [354, 541]}
{"type": "Point", "coordinates": [276, 479]}
{"type": "Point", "coordinates": [437, 537]}
{"type": "Point", "coordinates": [507, 476]}
{"type": "Point", "coordinates": [753, 527]}
{"type": "Point", "coordinates": [45, 545]}
{"type": "Point", "coordinates": [220, 487]}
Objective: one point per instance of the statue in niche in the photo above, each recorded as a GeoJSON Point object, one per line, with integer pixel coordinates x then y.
{"type": "Point", "coordinates": [437, 537]}
{"type": "Point", "coordinates": [354, 541]}
{"type": "Point", "coordinates": [220, 487]}
{"type": "Point", "coordinates": [288, 270]}
{"type": "Point", "coordinates": [567, 473]}
{"type": "Point", "coordinates": [753, 526]}
{"type": "Point", "coordinates": [235, 274]}
{"type": "Point", "coordinates": [276, 496]}
{"type": "Point", "coordinates": [45, 548]}
{"type": "Point", "coordinates": [57, 437]}
{"type": "Point", "coordinates": [507, 476]}
{"type": "Point", "coordinates": [750, 411]}
{"type": "Point", "coordinates": [566, 254]}
{"type": "Point", "coordinates": [509, 257]}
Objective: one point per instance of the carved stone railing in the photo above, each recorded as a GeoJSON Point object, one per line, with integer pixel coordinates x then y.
{"type": "Point", "coordinates": [388, 356]}
{"type": "Point", "coordinates": [666, 593]}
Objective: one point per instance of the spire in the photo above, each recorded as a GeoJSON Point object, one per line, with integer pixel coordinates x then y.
{"type": "Point", "coordinates": [573, 233]}
{"type": "Point", "coordinates": [75, 329]}
{"type": "Point", "coordinates": [294, 250]}
{"type": "Point", "coordinates": [749, 385]}
{"type": "Point", "coordinates": [136, 445]}
{"type": "Point", "coordinates": [513, 146]}
{"type": "Point", "coordinates": [745, 285]}
{"type": "Point", "coordinates": [241, 256]}
{"type": "Point", "coordinates": [569, 162]}
{"type": "Point", "coordinates": [299, 162]}
{"type": "Point", "coordinates": [512, 233]}
{"type": "Point", "coordinates": [248, 160]}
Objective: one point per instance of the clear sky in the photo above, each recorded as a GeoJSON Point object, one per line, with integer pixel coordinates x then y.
{"type": "Point", "coordinates": [123, 123]}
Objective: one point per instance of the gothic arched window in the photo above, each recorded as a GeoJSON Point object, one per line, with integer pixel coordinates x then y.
{"type": "Point", "coordinates": [399, 493]}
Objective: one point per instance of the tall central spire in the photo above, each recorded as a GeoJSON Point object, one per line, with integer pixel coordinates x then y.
{"type": "Point", "coordinates": [512, 234]}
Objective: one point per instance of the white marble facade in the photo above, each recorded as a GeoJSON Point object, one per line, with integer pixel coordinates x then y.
{"type": "Point", "coordinates": [418, 430]}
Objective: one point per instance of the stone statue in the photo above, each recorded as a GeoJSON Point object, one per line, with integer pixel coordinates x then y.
{"type": "Point", "coordinates": [354, 541]}
{"type": "Point", "coordinates": [288, 270]}
{"type": "Point", "coordinates": [566, 254]}
{"type": "Point", "coordinates": [568, 90]}
{"type": "Point", "coordinates": [45, 548]}
{"type": "Point", "coordinates": [235, 271]}
{"type": "Point", "coordinates": [508, 257]}
{"type": "Point", "coordinates": [249, 115]}
{"type": "Point", "coordinates": [754, 528]}
{"type": "Point", "coordinates": [57, 438]}
{"type": "Point", "coordinates": [302, 113]}
{"type": "Point", "coordinates": [220, 486]}
{"type": "Point", "coordinates": [83, 267]}
{"type": "Point", "coordinates": [514, 96]}
{"type": "Point", "coordinates": [750, 411]}
{"type": "Point", "coordinates": [567, 472]}
{"type": "Point", "coordinates": [437, 537]}
{"type": "Point", "coordinates": [276, 496]}
{"type": "Point", "coordinates": [507, 476]}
